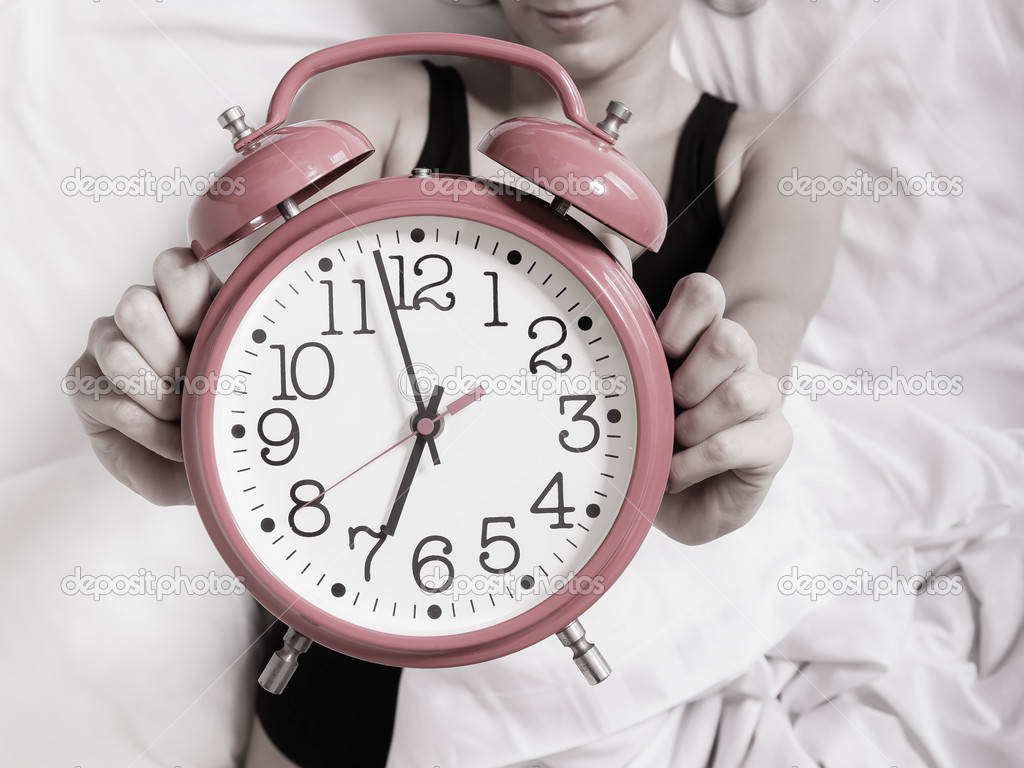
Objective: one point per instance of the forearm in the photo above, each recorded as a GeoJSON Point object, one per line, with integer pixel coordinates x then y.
{"type": "Point", "coordinates": [775, 327]}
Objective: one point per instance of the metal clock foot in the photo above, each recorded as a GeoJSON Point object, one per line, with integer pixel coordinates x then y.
{"type": "Point", "coordinates": [589, 660]}
{"type": "Point", "coordinates": [283, 663]}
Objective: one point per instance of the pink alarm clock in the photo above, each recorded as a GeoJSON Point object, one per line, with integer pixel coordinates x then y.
{"type": "Point", "coordinates": [442, 423]}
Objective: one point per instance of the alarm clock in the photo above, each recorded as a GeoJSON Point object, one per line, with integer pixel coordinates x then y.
{"type": "Point", "coordinates": [437, 426]}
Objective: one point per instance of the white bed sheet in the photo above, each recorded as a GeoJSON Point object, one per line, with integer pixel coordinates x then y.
{"type": "Point", "coordinates": [710, 643]}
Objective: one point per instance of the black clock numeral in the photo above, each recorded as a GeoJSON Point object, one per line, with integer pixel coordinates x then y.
{"type": "Point", "coordinates": [486, 541]}
{"type": "Point", "coordinates": [362, 308]}
{"type": "Point", "coordinates": [536, 361]}
{"type": "Point", "coordinates": [418, 563]}
{"type": "Point", "coordinates": [379, 535]}
{"type": "Point", "coordinates": [579, 416]}
{"type": "Point", "coordinates": [419, 298]}
{"type": "Point", "coordinates": [307, 510]}
{"type": "Point", "coordinates": [291, 436]}
{"type": "Point", "coordinates": [559, 509]}
{"type": "Point", "coordinates": [331, 327]}
{"type": "Point", "coordinates": [331, 330]}
{"type": "Point", "coordinates": [309, 345]}
{"type": "Point", "coordinates": [495, 321]}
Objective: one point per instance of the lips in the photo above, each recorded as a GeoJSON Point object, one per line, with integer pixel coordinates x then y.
{"type": "Point", "coordinates": [570, 21]}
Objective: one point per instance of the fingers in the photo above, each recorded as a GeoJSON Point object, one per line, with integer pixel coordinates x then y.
{"type": "Point", "coordinates": [696, 302]}
{"type": "Point", "coordinates": [752, 450]}
{"type": "Point", "coordinates": [723, 349]}
{"type": "Point", "coordinates": [141, 319]}
{"type": "Point", "coordinates": [104, 409]}
{"type": "Point", "coordinates": [186, 287]}
{"type": "Point", "coordinates": [156, 478]}
{"type": "Point", "coordinates": [743, 396]}
{"type": "Point", "coordinates": [109, 353]}
{"type": "Point", "coordinates": [127, 402]}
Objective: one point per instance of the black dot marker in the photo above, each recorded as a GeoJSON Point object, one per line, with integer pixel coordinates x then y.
{"type": "Point", "coordinates": [593, 510]}
{"type": "Point", "coordinates": [585, 323]}
{"type": "Point", "coordinates": [614, 416]}
{"type": "Point", "coordinates": [259, 335]}
{"type": "Point", "coordinates": [417, 235]}
{"type": "Point", "coordinates": [238, 431]}
{"type": "Point", "coordinates": [526, 582]}
{"type": "Point", "coordinates": [325, 264]}
{"type": "Point", "coordinates": [267, 525]}
{"type": "Point", "coordinates": [434, 611]}
{"type": "Point", "coordinates": [514, 257]}
{"type": "Point", "coordinates": [338, 590]}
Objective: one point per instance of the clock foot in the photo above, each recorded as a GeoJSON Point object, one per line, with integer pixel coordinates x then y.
{"type": "Point", "coordinates": [283, 663]}
{"type": "Point", "coordinates": [589, 660]}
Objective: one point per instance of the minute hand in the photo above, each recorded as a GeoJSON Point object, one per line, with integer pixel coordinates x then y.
{"type": "Point", "coordinates": [404, 347]}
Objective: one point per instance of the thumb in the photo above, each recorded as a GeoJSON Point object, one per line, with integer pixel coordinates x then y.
{"type": "Point", "coordinates": [186, 287]}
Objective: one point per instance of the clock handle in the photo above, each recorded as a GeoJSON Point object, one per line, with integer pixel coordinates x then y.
{"type": "Point", "coordinates": [425, 43]}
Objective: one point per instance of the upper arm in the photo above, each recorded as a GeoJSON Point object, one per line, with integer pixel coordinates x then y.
{"type": "Point", "coordinates": [388, 100]}
{"type": "Point", "coordinates": [776, 256]}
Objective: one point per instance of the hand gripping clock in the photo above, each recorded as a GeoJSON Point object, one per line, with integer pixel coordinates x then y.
{"type": "Point", "coordinates": [489, 330]}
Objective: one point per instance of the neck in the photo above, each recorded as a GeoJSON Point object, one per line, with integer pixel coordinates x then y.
{"type": "Point", "coordinates": [641, 82]}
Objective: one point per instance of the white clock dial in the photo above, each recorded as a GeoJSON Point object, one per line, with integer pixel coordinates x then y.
{"type": "Point", "coordinates": [530, 476]}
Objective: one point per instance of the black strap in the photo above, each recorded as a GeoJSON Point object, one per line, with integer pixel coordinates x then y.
{"type": "Point", "coordinates": [694, 224]}
{"type": "Point", "coordinates": [446, 149]}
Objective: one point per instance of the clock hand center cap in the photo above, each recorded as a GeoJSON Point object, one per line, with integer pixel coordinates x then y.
{"type": "Point", "coordinates": [427, 426]}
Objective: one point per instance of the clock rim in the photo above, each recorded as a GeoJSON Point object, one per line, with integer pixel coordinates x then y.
{"type": "Point", "coordinates": [564, 240]}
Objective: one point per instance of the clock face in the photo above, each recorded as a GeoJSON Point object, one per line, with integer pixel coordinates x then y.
{"type": "Point", "coordinates": [325, 445]}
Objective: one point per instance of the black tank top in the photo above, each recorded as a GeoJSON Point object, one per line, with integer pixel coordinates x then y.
{"type": "Point", "coordinates": [695, 226]}
{"type": "Point", "coordinates": [337, 706]}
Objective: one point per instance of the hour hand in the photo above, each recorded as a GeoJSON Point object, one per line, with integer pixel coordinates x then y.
{"type": "Point", "coordinates": [426, 426]}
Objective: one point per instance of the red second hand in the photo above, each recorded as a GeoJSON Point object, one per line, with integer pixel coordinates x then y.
{"type": "Point", "coordinates": [423, 427]}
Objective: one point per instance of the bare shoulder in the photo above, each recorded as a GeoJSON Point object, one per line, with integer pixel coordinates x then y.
{"type": "Point", "coordinates": [387, 99]}
{"type": "Point", "coordinates": [765, 144]}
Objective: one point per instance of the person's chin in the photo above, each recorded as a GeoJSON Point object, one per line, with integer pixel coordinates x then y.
{"type": "Point", "coordinates": [579, 42]}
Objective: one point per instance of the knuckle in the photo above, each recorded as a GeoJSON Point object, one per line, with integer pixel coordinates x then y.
{"type": "Point", "coordinates": [728, 340]}
{"type": "Point", "coordinates": [702, 289]}
{"type": "Point", "coordinates": [138, 308]}
{"type": "Point", "coordinates": [173, 261]}
{"type": "Point", "coordinates": [721, 450]}
{"type": "Point", "coordinates": [99, 329]}
{"type": "Point", "coordinates": [738, 396]}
